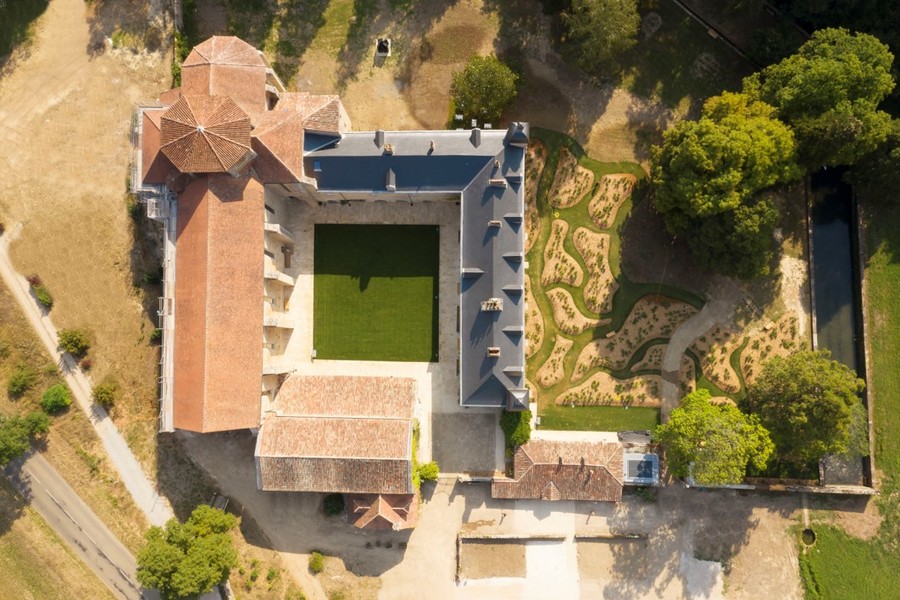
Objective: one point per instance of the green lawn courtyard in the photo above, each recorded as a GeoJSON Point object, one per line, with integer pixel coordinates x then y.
{"type": "Point", "coordinates": [376, 292]}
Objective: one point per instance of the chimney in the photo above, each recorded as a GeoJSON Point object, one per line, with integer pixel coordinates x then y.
{"type": "Point", "coordinates": [379, 138]}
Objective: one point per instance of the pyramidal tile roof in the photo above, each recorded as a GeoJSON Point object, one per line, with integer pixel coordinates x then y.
{"type": "Point", "coordinates": [326, 118]}
{"type": "Point", "coordinates": [224, 50]}
{"type": "Point", "coordinates": [205, 134]}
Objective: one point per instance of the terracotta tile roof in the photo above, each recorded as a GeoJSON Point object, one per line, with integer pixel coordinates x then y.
{"type": "Point", "coordinates": [383, 511]}
{"type": "Point", "coordinates": [336, 437]}
{"type": "Point", "coordinates": [326, 119]}
{"type": "Point", "coordinates": [154, 164]}
{"type": "Point", "coordinates": [224, 50]}
{"type": "Point", "coordinates": [218, 304]}
{"type": "Point", "coordinates": [558, 470]}
{"type": "Point", "coordinates": [206, 134]}
{"type": "Point", "coordinates": [228, 66]}
{"type": "Point", "coordinates": [278, 142]}
{"type": "Point", "coordinates": [386, 397]}
{"type": "Point", "coordinates": [338, 434]}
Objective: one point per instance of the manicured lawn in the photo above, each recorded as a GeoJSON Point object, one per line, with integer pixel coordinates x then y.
{"type": "Point", "coordinates": [840, 566]}
{"type": "Point", "coordinates": [376, 292]}
{"type": "Point", "coordinates": [598, 418]}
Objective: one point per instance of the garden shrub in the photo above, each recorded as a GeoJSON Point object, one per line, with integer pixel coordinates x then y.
{"type": "Point", "coordinates": [56, 399]}
{"type": "Point", "coordinates": [516, 426]}
{"type": "Point", "coordinates": [334, 504]}
{"type": "Point", "coordinates": [43, 296]}
{"type": "Point", "coordinates": [74, 341]}
{"type": "Point", "coordinates": [105, 393]}
{"type": "Point", "coordinates": [20, 381]}
{"type": "Point", "coordinates": [428, 471]}
{"type": "Point", "coordinates": [316, 562]}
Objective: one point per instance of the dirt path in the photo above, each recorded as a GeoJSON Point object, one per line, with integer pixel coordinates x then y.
{"type": "Point", "coordinates": [715, 312]}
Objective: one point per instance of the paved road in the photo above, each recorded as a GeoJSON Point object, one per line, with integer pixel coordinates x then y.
{"type": "Point", "coordinates": [49, 494]}
{"type": "Point", "coordinates": [136, 482]}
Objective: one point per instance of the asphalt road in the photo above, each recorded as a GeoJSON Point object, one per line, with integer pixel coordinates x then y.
{"type": "Point", "coordinates": [48, 493]}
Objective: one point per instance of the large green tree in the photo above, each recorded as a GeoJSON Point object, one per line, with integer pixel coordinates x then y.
{"type": "Point", "coordinates": [807, 402]}
{"type": "Point", "coordinates": [601, 29]}
{"type": "Point", "coordinates": [829, 92]}
{"type": "Point", "coordinates": [484, 89]}
{"type": "Point", "coordinates": [187, 559]}
{"type": "Point", "coordinates": [713, 443]}
{"type": "Point", "coordinates": [17, 433]}
{"type": "Point", "coordinates": [708, 175]}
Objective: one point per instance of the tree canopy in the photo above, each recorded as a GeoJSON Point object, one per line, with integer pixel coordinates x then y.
{"type": "Point", "coordinates": [16, 434]}
{"type": "Point", "coordinates": [602, 29]}
{"type": "Point", "coordinates": [807, 402]}
{"type": "Point", "coordinates": [708, 174]}
{"type": "Point", "coordinates": [713, 443]}
{"type": "Point", "coordinates": [484, 89]}
{"type": "Point", "coordinates": [829, 92]}
{"type": "Point", "coordinates": [187, 559]}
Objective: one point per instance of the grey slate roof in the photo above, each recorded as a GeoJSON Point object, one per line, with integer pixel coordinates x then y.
{"type": "Point", "coordinates": [487, 169]}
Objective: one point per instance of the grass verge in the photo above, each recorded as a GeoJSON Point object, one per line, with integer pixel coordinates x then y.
{"type": "Point", "coordinates": [839, 565]}
{"type": "Point", "coordinates": [599, 418]}
{"type": "Point", "coordinates": [376, 292]}
{"type": "Point", "coordinates": [36, 563]}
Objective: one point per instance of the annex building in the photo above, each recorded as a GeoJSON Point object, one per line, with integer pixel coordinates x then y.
{"type": "Point", "coordinates": [223, 162]}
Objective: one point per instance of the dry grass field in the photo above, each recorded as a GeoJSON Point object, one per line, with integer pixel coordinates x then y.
{"type": "Point", "coordinates": [72, 446]}
{"type": "Point", "coordinates": [34, 561]}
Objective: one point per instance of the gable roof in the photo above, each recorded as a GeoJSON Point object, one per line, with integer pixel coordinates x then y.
{"type": "Point", "coordinates": [383, 511]}
{"type": "Point", "coordinates": [562, 470]}
{"type": "Point", "coordinates": [218, 304]}
{"type": "Point", "coordinates": [338, 434]}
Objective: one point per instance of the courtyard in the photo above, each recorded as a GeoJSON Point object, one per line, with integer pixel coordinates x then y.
{"type": "Point", "coordinates": [376, 292]}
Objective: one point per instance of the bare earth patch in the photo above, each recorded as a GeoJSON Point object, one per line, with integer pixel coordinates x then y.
{"type": "Point", "coordinates": [602, 389]}
{"type": "Point", "coordinates": [594, 250]}
{"type": "Point", "coordinates": [535, 158]}
{"type": "Point", "coordinates": [534, 322]}
{"type": "Point", "coordinates": [486, 559]}
{"type": "Point", "coordinates": [336, 579]}
{"type": "Point", "coordinates": [559, 266]}
{"type": "Point", "coordinates": [552, 372]}
{"type": "Point", "coordinates": [611, 193]}
{"type": "Point", "coordinates": [571, 182]}
{"type": "Point", "coordinates": [567, 315]}
{"type": "Point", "coordinates": [714, 349]}
{"type": "Point", "coordinates": [774, 339]}
{"type": "Point", "coordinates": [649, 318]}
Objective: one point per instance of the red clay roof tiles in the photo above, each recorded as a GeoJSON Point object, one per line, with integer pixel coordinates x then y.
{"type": "Point", "coordinates": [556, 470]}
{"type": "Point", "coordinates": [218, 304]}
{"type": "Point", "coordinates": [205, 134]}
{"type": "Point", "coordinates": [339, 434]}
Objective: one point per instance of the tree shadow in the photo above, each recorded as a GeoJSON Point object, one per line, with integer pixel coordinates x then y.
{"type": "Point", "coordinates": [410, 21]}
{"type": "Point", "coordinates": [650, 254]}
{"type": "Point", "coordinates": [16, 18]}
{"type": "Point", "coordinates": [15, 494]}
{"type": "Point", "coordinates": [125, 22]}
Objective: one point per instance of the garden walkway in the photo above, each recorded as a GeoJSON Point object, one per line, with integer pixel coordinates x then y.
{"type": "Point", "coordinates": [715, 312]}
{"type": "Point", "coordinates": [137, 483]}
